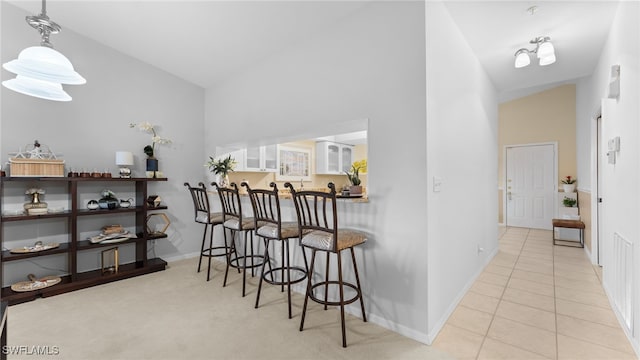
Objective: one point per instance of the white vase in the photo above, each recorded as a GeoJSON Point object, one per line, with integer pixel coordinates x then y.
{"type": "Point", "coordinates": [569, 188]}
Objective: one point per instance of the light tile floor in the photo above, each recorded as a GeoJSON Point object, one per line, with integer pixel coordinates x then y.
{"type": "Point", "coordinates": [535, 301]}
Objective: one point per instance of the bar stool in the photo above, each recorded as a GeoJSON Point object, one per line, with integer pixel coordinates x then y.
{"type": "Point", "coordinates": [270, 227]}
{"type": "Point", "coordinates": [318, 222]}
{"type": "Point", "coordinates": [203, 215]}
{"type": "Point", "coordinates": [236, 222]}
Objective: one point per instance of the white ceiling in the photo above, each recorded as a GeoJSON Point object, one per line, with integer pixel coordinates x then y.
{"type": "Point", "coordinates": [205, 41]}
{"type": "Point", "coordinates": [200, 41]}
{"type": "Point", "coordinates": [495, 30]}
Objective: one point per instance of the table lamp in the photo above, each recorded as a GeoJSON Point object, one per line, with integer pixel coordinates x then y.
{"type": "Point", "coordinates": [124, 159]}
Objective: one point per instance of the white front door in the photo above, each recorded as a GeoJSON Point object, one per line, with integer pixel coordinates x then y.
{"type": "Point", "coordinates": [530, 186]}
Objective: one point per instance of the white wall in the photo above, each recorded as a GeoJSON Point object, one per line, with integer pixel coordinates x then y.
{"type": "Point", "coordinates": [621, 193]}
{"type": "Point", "coordinates": [369, 65]}
{"type": "Point", "coordinates": [90, 129]}
{"type": "Point", "coordinates": [462, 142]}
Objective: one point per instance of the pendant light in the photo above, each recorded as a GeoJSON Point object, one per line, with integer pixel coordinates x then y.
{"type": "Point", "coordinates": [41, 69]}
{"type": "Point", "coordinates": [544, 51]}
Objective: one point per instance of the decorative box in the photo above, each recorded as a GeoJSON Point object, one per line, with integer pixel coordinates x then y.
{"type": "Point", "coordinates": [20, 167]}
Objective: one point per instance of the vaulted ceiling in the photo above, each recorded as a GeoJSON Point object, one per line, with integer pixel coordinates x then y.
{"type": "Point", "coordinates": [205, 41]}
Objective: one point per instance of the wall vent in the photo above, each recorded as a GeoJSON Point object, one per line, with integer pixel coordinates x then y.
{"type": "Point", "coordinates": [623, 279]}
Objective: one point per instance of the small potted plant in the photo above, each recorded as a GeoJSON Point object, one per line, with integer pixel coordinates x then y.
{"type": "Point", "coordinates": [569, 184]}
{"type": "Point", "coordinates": [569, 202]}
{"type": "Point", "coordinates": [354, 176]}
{"type": "Point", "coordinates": [108, 200]}
{"type": "Point", "coordinates": [221, 168]}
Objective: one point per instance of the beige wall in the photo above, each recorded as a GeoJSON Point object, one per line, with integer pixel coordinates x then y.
{"type": "Point", "coordinates": [548, 116]}
{"type": "Point", "coordinates": [584, 208]}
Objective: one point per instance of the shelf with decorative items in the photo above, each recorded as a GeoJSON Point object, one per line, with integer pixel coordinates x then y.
{"type": "Point", "coordinates": [73, 217]}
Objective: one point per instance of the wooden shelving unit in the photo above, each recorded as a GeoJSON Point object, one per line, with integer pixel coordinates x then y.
{"type": "Point", "coordinates": [75, 247]}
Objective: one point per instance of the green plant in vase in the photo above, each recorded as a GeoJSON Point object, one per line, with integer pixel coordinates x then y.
{"type": "Point", "coordinates": [354, 176]}
{"type": "Point", "coordinates": [569, 202]}
{"type": "Point", "coordinates": [221, 168]}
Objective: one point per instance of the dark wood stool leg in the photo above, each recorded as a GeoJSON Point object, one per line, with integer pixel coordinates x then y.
{"type": "Point", "coordinates": [326, 286]}
{"type": "Point", "coordinates": [355, 269]}
{"type": "Point", "coordinates": [230, 249]}
{"type": "Point", "coordinates": [282, 262]}
{"type": "Point", "coordinates": [204, 237]}
{"type": "Point", "coordinates": [264, 265]}
{"type": "Point", "coordinates": [253, 269]}
{"type": "Point", "coordinates": [306, 295]}
{"type": "Point", "coordinates": [244, 265]}
{"type": "Point", "coordinates": [210, 251]}
{"type": "Point", "coordinates": [304, 256]}
{"type": "Point", "coordinates": [286, 242]}
{"type": "Point", "coordinates": [341, 290]}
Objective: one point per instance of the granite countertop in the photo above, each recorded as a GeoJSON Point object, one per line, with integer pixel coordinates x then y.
{"type": "Point", "coordinates": [286, 194]}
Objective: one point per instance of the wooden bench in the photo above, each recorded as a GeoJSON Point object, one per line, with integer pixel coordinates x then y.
{"type": "Point", "coordinates": [568, 224]}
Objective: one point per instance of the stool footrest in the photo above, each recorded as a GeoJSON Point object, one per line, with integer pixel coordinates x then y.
{"type": "Point", "coordinates": [209, 252]}
{"type": "Point", "coordinates": [301, 272]}
{"type": "Point", "coordinates": [357, 296]}
{"type": "Point", "coordinates": [235, 262]}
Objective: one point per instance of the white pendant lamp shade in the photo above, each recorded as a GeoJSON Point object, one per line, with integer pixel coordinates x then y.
{"type": "Point", "coordinates": [41, 70]}
{"type": "Point", "coordinates": [547, 60]}
{"type": "Point", "coordinates": [545, 49]}
{"type": "Point", "coordinates": [37, 88]}
{"type": "Point", "coordinates": [544, 52]}
{"type": "Point", "coordinates": [522, 58]}
{"type": "Point", "coordinates": [44, 63]}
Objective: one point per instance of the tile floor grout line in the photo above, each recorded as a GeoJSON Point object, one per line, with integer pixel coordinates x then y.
{"type": "Point", "coordinates": [484, 338]}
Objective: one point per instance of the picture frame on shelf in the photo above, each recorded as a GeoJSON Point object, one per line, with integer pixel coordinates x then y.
{"type": "Point", "coordinates": [109, 261]}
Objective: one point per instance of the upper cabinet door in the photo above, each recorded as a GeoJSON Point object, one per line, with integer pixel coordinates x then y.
{"type": "Point", "coordinates": [252, 159]}
{"type": "Point", "coordinates": [346, 158]}
{"type": "Point", "coordinates": [333, 158]}
{"type": "Point", "coordinates": [261, 158]}
{"type": "Point", "coordinates": [270, 156]}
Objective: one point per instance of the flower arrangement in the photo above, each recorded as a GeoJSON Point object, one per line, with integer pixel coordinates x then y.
{"type": "Point", "coordinates": [221, 167]}
{"type": "Point", "coordinates": [356, 168]}
{"type": "Point", "coordinates": [32, 191]}
{"type": "Point", "coordinates": [569, 180]}
{"type": "Point", "coordinates": [569, 202]}
{"type": "Point", "coordinates": [149, 150]}
{"type": "Point", "coordinates": [108, 194]}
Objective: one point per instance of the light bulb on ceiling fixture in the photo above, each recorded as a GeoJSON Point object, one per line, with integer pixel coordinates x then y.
{"type": "Point", "coordinates": [522, 58]}
{"type": "Point", "coordinates": [545, 48]}
{"type": "Point", "coordinates": [547, 60]}
{"type": "Point", "coordinates": [40, 69]}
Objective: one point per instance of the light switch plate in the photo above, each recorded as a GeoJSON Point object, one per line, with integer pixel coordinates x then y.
{"type": "Point", "coordinates": [437, 184]}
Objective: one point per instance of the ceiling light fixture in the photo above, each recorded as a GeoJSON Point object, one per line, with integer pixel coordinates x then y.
{"type": "Point", "coordinates": [544, 51]}
{"type": "Point", "coordinates": [40, 69]}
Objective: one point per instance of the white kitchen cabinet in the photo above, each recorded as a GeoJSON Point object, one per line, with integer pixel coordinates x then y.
{"type": "Point", "coordinates": [333, 158]}
{"type": "Point", "coordinates": [261, 158]}
{"type": "Point", "coordinates": [238, 156]}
